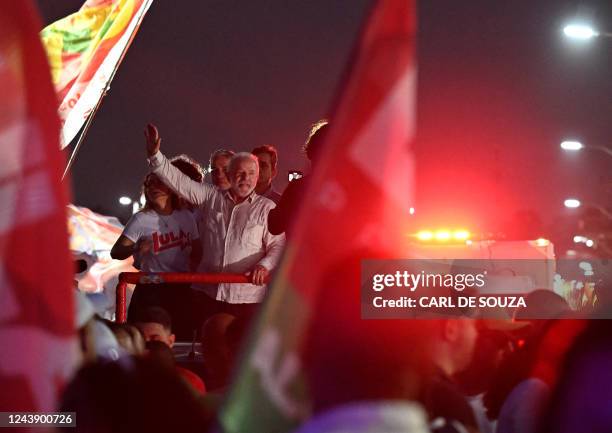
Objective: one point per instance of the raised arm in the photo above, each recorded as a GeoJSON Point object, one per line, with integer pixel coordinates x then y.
{"type": "Point", "coordinates": [194, 192]}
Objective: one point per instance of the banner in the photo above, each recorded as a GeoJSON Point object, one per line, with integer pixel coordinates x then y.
{"type": "Point", "coordinates": [84, 50]}
{"type": "Point", "coordinates": [359, 196]}
{"type": "Point", "coordinates": [91, 233]}
{"type": "Point", "coordinates": [37, 332]}
{"type": "Point", "coordinates": [92, 237]}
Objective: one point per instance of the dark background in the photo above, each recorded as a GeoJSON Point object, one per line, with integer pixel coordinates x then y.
{"type": "Point", "coordinates": [499, 88]}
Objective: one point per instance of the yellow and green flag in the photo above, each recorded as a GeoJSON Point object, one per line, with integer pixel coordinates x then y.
{"type": "Point", "coordinates": [84, 50]}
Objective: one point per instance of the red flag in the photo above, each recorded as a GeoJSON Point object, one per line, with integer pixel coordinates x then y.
{"type": "Point", "coordinates": [36, 318]}
{"type": "Point", "coordinates": [362, 186]}
{"type": "Point", "coordinates": [359, 196]}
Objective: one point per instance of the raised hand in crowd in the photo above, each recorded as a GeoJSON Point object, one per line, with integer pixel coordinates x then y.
{"type": "Point", "coordinates": [152, 138]}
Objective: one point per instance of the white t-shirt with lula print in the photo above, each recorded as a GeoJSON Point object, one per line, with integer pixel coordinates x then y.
{"type": "Point", "coordinates": [171, 236]}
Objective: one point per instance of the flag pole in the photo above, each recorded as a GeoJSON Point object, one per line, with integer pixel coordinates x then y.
{"type": "Point", "coordinates": [84, 133]}
{"type": "Point", "coordinates": [77, 146]}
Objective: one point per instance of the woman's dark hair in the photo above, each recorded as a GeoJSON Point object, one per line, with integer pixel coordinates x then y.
{"type": "Point", "coordinates": [189, 167]}
{"type": "Point", "coordinates": [174, 199]}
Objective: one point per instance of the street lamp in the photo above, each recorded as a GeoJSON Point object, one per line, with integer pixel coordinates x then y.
{"type": "Point", "coordinates": [584, 240]}
{"type": "Point", "coordinates": [579, 31]}
{"type": "Point", "coordinates": [583, 32]}
{"type": "Point", "coordinates": [125, 201]}
{"type": "Point", "coordinates": [574, 203]}
{"type": "Point", "coordinates": [136, 205]}
{"type": "Point", "coordinates": [572, 145]}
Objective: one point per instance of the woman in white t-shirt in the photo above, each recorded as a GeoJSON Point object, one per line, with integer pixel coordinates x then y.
{"type": "Point", "coordinates": [162, 237]}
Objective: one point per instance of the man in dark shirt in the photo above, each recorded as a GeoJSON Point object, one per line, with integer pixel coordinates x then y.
{"type": "Point", "coordinates": [279, 218]}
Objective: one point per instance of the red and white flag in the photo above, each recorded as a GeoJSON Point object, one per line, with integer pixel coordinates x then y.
{"type": "Point", "coordinates": [362, 187]}
{"type": "Point", "coordinates": [36, 318]}
{"type": "Point", "coordinates": [359, 198]}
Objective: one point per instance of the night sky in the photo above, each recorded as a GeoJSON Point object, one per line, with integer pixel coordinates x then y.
{"type": "Point", "coordinates": [499, 88]}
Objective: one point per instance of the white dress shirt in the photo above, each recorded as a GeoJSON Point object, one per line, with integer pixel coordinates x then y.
{"type": "Point", "coordinates": [234, 236]}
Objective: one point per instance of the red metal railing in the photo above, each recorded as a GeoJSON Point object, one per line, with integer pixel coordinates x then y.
{"type": "Point", "coordinates": [126, 278]}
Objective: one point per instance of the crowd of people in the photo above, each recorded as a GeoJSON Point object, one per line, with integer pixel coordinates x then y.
{"type": "Point", "coordinates": [456, 374]}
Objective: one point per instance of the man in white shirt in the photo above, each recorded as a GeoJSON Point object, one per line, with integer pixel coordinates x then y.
{"type": "Point", "coordinates": [233, 230]}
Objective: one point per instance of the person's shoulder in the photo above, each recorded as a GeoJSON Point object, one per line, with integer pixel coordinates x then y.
{"type": "Point", "coordinates": [213, 187]}
{"type": "Point", "coordinates": [527, 390]}
{"type": "Point", "coordinates": [275, 196]}
{"type": "Point", "coordinates": [263, 201]}
{"type": "Point", "coordinates": [184, 213]}
{"type": "Point", "coordinates": [215, 192]}
{"type": "Point", "coordinates": [142, 216]}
